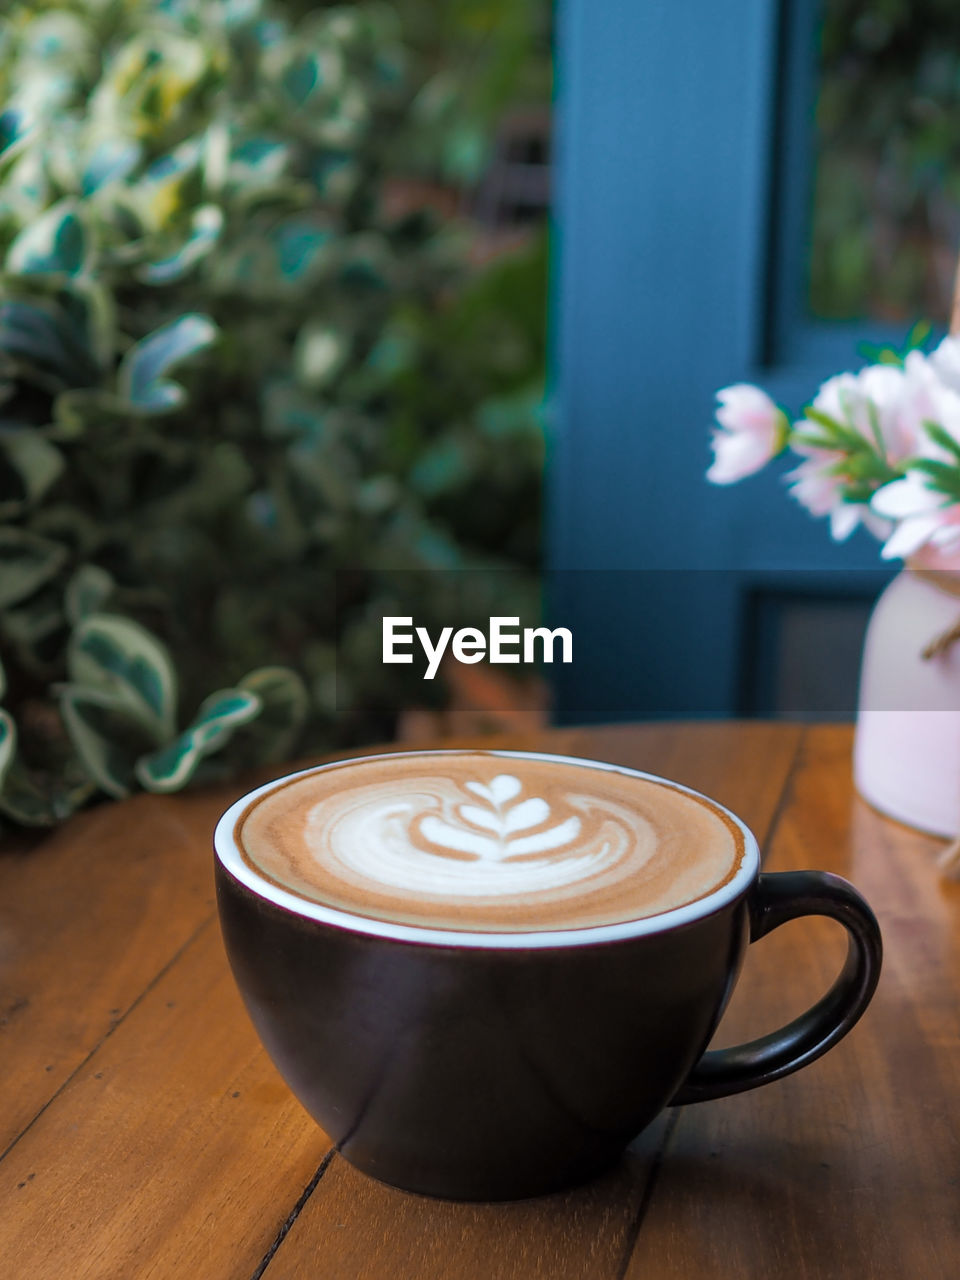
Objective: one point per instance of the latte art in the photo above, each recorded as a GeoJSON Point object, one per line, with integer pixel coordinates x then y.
{"type": "Point", "coordinates": [504, 823]}
{"type": "Point", "coordinates": [439, 841]}
{"type": "Point", "coordinates": [477, 840]}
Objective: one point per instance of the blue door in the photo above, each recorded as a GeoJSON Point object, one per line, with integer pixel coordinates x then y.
{"type": "Point", "coordinates": [686, 164]}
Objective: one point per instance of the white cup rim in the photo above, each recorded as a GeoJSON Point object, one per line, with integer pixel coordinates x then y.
{"type": "Point", "coordinates": [228, 853]}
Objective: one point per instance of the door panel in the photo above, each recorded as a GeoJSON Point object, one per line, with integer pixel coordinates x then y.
{"type": "Point", "coordinates": [682, 215]}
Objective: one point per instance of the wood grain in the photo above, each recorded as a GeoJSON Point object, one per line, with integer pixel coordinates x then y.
{"type": "Point", "coordinates": [87, 920]}
{"type": "Point", "coordinates": [175, 1150]}
{"type": "Point", "coordinates": [352, 1226]}
{"type": "Point", "coordinates": [852, 1166]}
{"type": "Point", "coordinates": [167, 1145]}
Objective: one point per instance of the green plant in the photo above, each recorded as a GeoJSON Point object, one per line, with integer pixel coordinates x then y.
{"type": "Point", "coordinates": [885, 225]}
{"type": "Point", "coordinates": [244, 404]}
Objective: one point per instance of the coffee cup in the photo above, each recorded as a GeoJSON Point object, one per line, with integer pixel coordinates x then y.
{"type": "Point", "coordinates": [483, 973]}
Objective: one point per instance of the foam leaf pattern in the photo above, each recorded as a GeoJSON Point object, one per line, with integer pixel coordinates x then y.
{"type": "Point", "coordinates": [503, 788]}
{"type": "Point", "coordinates": [503, 823]}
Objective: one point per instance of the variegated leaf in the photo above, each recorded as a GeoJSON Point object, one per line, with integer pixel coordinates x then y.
{"type": "Point", "coordinates": [206, 225]}
{"type": "Point", "coordinates": [118, 657]}
{"type": "Point", "coordinates": [87, 592]}
{"type": "Point", "coordinates": [54, 244]}
{"type": "Point", "coordinates": [27, 561]}
{"type": "Point", "coordinates": [284, 705]}
{"type": "Point", "coordinates": [8, 741]}
{"type": "Point", "coordinates": [142, 378]}
{"type": "Point", "coordinates": [106, 735]}
{"type": "Point", "coordinates": [171, 767]}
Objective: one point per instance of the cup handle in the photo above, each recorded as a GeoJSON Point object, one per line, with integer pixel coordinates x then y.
{"type": "Point", "coordinates": [776, 898]}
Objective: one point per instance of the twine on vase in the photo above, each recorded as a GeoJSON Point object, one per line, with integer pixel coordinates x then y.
{"type": "Point", "coordinates": [949, 860]}
{"type": "Point", "coordinates": [949, 582]}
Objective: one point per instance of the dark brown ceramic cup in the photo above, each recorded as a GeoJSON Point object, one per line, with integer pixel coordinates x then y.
{"type": "Point", "coordinates": [499, 1065]}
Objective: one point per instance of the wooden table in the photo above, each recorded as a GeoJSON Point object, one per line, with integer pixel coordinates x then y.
{"type": "Point", "coordinates": [145, 1133]}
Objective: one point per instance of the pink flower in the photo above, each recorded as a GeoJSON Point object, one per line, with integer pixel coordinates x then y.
{"type": "Point", "coordinates": [872, 403]}
{"type": "Point", "coordinates": [867, 450]}
{"type": "Point", "coordinates": [927, 521]}
{"type": "Point", "coordinates": [883, 403]}
{"type": "Point", "coordinates": [945, 361]}
{"type": "Point", "coordinates": [925, 517]}
{"type": "Point", "coordinates": [898, 398]}
{"type": "Point", "coordinates": [817, 485]}
{"type": "Point", "coordinates": [821, 492]}
{"type": "Point", "coordinates": [929, 397]}
{"type": "Point", "coordinates": [753, 431]}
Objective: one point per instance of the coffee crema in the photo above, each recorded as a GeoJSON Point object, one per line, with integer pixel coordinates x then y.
{"type": "Point", "coordinates": [476, 841]}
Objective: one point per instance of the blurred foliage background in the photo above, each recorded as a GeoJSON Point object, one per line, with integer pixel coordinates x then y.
{"type": "Point", "coordinates": [886, 217]}
{"type": "Point", "coordinates": [266, 373]}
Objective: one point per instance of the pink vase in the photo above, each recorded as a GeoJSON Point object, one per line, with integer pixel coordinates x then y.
{"type": "Point", "coordinates": [907, 749]}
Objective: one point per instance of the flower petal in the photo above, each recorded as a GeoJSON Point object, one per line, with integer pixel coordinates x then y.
{"type": "Point", "coordinates": [945, 360]}
{"type": "Point", "coordinates": [844, 518]}
{"type": "Point", "coordinates": [736, 455]}
{"type": "Point", "coordinates": [909, 536]}
{"type": "Point", "coordinates": [901, 499]}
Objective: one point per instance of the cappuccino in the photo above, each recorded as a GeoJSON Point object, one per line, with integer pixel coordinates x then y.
{"type": "Point", "coordinates": [488, 842]}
